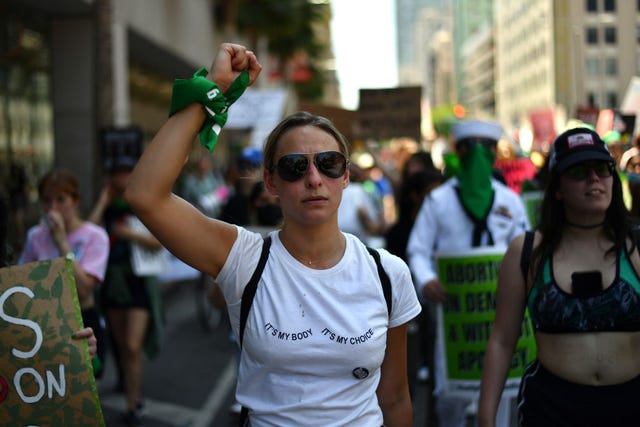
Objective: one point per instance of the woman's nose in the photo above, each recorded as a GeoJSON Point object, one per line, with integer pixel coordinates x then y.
{"type": "Point", "coordinates": [592, 174]}
{"type": "Point", "coordinates": [313, 175]}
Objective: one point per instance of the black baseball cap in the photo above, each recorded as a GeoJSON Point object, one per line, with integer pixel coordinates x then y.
{"type": "Point", "coordinates": [577, 145]}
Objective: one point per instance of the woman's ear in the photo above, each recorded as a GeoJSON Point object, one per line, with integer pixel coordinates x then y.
{"type": "Point", "coordinates": [267, 177]}
{"type": "Point", "coordinates": [345, 179]}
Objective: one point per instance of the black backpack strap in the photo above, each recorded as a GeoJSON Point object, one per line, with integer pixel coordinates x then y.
{"type": "Point", "coordinates": [384, 278]}
{"type": "Point", "coordinates": [250, 289]}
{"type": "Point", "coordinates": [245, 306]}
{"type": "Point", "coordinates": [525, 256]}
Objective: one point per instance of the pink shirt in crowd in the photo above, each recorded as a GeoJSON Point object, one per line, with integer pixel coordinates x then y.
{"type": "Point", "coordinates": [89, 243]}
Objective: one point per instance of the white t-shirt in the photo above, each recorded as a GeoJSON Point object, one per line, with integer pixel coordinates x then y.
{"type": "Point", "coordinates": [314, 339]}
{"type": "Point", "coordinates": [354, 196]}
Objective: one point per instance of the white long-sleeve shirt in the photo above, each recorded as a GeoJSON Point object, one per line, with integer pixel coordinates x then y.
{"type": "Point", "coordinates": [442, 225]}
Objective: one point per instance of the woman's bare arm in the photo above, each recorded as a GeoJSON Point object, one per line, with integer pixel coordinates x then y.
{"type": "Point", "coordinates": [202, 242]}
{"type": "Point", "coordinates": [393, 390]}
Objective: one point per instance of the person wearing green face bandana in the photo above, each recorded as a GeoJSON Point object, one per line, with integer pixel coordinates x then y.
{"type": "Point", "coordinates": [474, 183]}
{"type": "Point", "coordinates": [472, 209]}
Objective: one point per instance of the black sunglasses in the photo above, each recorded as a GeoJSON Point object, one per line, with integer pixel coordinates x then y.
{"type": "Point", "coordinates": [582, 171]}
{"type": "Point", "coordinates": [292, 167]}
{"type": "Point", "coordinates": [466, 142]}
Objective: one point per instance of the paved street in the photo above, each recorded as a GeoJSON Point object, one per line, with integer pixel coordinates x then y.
{"type": "Point", "coordinates": [191, 382]}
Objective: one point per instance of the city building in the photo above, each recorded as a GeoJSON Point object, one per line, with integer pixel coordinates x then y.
{"type": "Point", "coordinates": [470, 18]}
{"type": "Point", "coordinates": [563, 59]}
{"type": "Point", "coordinates": [478, 69]}
{"type": "Point", "coordinates": [71, 69]}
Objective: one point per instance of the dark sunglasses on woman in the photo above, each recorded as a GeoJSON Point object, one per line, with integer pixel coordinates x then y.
{"type": "Point", "coordinates": [292, 167]}
{"type": "Point", "coordinates": [582, 171]}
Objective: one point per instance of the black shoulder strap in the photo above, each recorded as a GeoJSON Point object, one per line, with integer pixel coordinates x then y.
{"type": "Point", "coordinates": [250, 289]}
{"type": "Point", "coordinates": [245, 305]}
{"type": "Point", "coordinates": [384, 278]}
{"type": "Point", "coordinates": [525, 256]}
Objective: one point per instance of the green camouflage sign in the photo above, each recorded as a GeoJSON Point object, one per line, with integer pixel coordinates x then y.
{"type": "Point", "coordinates": [46, 378]}
{"type": "Point", "coordinates": [466, 320]}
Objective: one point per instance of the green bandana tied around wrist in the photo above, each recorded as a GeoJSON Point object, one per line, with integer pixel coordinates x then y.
{"type": "Point", "coordinates": [199, 89]}
{"type": "Point", "coordinates": [474, 179]}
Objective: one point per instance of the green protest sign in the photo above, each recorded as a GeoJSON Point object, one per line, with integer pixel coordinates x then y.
{"type": "Point", "coordinates": [466, 320]}
{"type": "Point", "coordinates": [532, 202]}
{"type": "Point", "coordinates": [46, 378]}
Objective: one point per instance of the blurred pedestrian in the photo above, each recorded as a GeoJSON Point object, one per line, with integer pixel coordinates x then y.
{"type": "Point", "coordinates": [515, 168]}
{"type": "Point", "coordinates": [62, 232]}
{"type": "Point", "coordinates": [264, 208]}
{"type": "Point", "coordinates": [615, 145]}
{"type": "Point", "coordinates": [630, 170]}
{"type": "Point", "coordinates": [577, 276]}
{"type": "Point", "coordinates": [204, 188]}
{"type": "Point", "coordinates": [357, 213]}
{"type": "Point", "coordinates": [320, 346]}
{"type": "Point", "coordinates": [419, 161]}
{"type": "Point", "coordinates": [380, 188]}
{"type": "Point", "coordinates": [242, 175]}
{"type": "Point", "coordinates": [421, 331]}
{"type": "Point", "coordinates": [131, 301]}
{"type": "Point", "coordinates": [83, 333]}
{"type": "Point", "coordinates": [630, 161]}
{"type": "Point", "coordinates": [470, 210]}
{"type": "Point", "coordinates": [417, 186]}
{"type": "Point", "coordinates": [405, 196]}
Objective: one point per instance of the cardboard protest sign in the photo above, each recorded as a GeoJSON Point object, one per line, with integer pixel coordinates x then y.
{"type": "Point", "coordinates": [466, 320]}
{"type": "Point", "coordinates": [391, 113]}
{"type": "Point", "coordinates": [46, 378]}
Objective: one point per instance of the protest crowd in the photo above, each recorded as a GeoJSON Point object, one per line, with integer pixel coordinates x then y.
{"type": "Point", "coordinates": [439, 226]}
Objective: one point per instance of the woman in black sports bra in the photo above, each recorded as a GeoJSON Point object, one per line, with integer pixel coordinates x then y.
{"type": "Point", "coordinates": [582, 290]}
